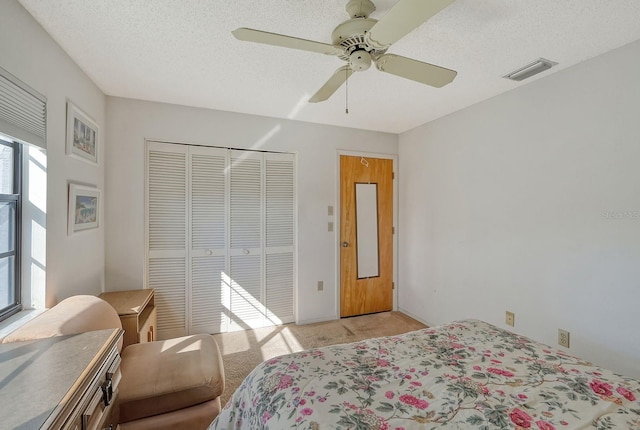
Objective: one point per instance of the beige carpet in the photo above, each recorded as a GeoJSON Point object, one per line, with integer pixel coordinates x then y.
{"type": "Point", "coordinates": [242, 351]}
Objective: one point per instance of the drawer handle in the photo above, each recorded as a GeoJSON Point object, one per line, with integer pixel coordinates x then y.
{"type": "Point", "coordinates": [107, 392]}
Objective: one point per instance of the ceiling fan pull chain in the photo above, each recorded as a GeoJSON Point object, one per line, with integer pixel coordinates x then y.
{"type": "Point", "coordinates": [346, 109]}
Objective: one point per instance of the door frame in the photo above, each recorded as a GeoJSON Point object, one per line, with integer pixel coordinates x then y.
{"type": "Point", "coordinates": [336, 222]}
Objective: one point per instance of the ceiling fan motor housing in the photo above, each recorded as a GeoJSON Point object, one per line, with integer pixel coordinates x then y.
{"type": "Point", "coordinates": [350, 35]}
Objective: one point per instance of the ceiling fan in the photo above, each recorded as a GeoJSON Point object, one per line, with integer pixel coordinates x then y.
{"type": "Point", "coordinates": [362, 40]}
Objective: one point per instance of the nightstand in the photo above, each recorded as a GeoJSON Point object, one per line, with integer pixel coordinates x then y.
{"type": "Point", "coordinates": [137, 312]}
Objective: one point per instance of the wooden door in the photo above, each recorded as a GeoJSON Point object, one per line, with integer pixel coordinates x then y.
{"type": "Point", "coordinates": [364, 292]}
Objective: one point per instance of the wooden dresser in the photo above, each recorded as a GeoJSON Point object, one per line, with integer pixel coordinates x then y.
{"type": "Point", "coordinates": [137, 312]}
{"type": "Point", "coordinates": [64, 382]}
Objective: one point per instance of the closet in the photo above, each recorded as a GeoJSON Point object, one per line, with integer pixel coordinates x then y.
{"type": "Point", "coordinates": [220, 238]}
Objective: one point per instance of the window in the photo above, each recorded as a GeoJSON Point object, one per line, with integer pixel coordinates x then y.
{"type": "Point", "coordinates": [23, 125]}
{"type": "Point", "coordinates": [10, 209]}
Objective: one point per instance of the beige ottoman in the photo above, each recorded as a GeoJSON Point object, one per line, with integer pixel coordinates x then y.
{"type": "Point", "coordinates": [174, 383]}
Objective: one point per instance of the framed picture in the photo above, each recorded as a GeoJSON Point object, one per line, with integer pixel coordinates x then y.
{"type": "Point", "coordinates": [83, 135]}
{"type": "Point", "coordinates": [84, 208]}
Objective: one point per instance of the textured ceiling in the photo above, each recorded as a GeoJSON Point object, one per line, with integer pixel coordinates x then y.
{"type": "Point", "coordinates": [183, 52]}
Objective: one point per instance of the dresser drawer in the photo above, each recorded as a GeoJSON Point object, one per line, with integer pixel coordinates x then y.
{"type": "Point", "coordinates": [97, 409]}
{"type": "Point", "coordinates": [94, 413]}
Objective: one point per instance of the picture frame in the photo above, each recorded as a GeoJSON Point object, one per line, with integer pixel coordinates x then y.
{"type": "Point", "coordinates": [85, 205]}
{"type": "Point", "coordinates": [83, 135]}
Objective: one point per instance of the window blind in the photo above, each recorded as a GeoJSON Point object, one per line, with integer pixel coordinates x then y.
{"type": "Point", "coordinates": [23, 111]}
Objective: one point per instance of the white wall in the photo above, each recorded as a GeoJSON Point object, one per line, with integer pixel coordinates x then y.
{"type": "Point", "coordinates": [503, 206]}
{"type": "Point", "coordinates": [129, 122]}
{"type": "Point", "coordinates": [74, 265]}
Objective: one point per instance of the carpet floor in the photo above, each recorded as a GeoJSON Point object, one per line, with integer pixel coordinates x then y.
{"type": "Point", "coordinates": [242, 351]}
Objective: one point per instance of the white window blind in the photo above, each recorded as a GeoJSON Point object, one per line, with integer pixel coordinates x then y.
{"type": "Point", "coordinates": [23, 113]}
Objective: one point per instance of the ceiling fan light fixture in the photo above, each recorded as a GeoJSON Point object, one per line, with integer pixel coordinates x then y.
{"type": "Point", "coordinates": [360, 60]}
{"type": "Point", "coordinates": [538, 66]}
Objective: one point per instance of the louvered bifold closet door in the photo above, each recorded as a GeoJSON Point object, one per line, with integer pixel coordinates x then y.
{"type": "Point", "coordinates": [279, 237]}
{"type": "Point", "coordinates": [221, 238]}
{"type": "Point", "coordinates": [167, 186]}
{"type": "Point", "coordinates": [246, 240]}
{"type": "Point", "coordinates": [210, 297]}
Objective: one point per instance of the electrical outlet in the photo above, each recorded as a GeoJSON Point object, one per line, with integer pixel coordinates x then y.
{"type": "Point", "coordinates": [563, 338]}
{"type": "Point", "coordinates": [510, 319]}
{"type": "Point", "coordinates": [320, 285]}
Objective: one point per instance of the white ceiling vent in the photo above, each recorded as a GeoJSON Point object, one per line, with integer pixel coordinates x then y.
{"type": "Point", "coordinates": [538, 66]}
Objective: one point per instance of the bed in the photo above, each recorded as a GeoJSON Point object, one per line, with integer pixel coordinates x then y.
{"type": "Point", "coordinates": [466, 374]}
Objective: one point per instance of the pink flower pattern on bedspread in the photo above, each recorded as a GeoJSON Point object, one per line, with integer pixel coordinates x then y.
{"type": "Point", "coordinates": [467, 374]}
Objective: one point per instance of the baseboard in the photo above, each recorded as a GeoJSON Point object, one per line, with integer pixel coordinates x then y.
{"type": "Point", "coordinates": [318, 320]}
{"type": "Point", "coordinates": [415, 317]}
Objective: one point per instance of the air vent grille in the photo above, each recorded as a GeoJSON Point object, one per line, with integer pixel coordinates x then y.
{"type": "Point", "coordinates": [531, 69]}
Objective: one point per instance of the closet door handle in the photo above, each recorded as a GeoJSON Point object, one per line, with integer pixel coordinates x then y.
{"type": "Point", "coordinates": [208, 252]}
{"type": "Point", "coordinates": [246, 251]}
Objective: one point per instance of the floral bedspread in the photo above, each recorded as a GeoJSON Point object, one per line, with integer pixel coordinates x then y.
{"type": "Point", "coordinates": [467, 374]}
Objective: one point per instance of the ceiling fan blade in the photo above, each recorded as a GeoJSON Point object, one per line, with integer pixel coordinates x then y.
{"type": "Point", "coordinates": [332, 85]}
{"type": "Point", "coordinates": [404, 17]}
{"type": "Point", "coordinates": [250, 35]}
{"type": "Point", "coordinates": [415, 70]}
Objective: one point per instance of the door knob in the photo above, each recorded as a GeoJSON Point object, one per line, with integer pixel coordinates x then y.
{"type": "Point", "coordinates": [345, 244]}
